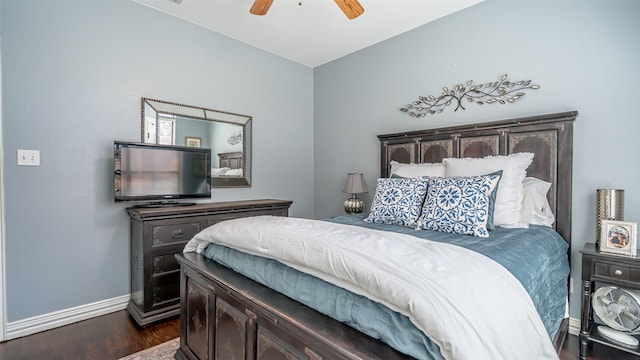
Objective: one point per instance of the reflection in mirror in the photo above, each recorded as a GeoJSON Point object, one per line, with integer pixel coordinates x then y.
{"type": "Point", "coordinates": [228, 135]}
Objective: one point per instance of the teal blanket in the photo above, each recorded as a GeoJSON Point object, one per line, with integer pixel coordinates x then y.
{"type": "Point", "coordinates": [537, 257]}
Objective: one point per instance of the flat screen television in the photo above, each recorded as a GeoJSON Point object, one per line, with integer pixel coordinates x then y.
{"type": "Point", "coordinates": [160, 174]}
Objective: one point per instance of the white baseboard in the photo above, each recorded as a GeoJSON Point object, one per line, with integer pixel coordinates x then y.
{"type": "Point", "coordinates": [32, 325]}
{"type": "Point", "coordinates": [574, 326]}
{"type": "Point", "coordinates": [56, 319]}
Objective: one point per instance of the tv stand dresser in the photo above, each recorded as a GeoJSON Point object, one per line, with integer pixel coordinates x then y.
{"type": "Point", "coordinates": [158, 233]}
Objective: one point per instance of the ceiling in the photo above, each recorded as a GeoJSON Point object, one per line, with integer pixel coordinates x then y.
{"type": "Point", "coordinates": [315, 32]}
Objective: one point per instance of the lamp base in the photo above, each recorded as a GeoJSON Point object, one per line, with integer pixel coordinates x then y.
{"type": "Point", "coordinates": [353, 205]}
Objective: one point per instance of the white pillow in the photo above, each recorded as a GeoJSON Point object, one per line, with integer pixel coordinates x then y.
{"type": "Point", "coordinates": [510, 189]}
{"type": "Point", "coordinates": [234, 172]}
{"type": "Point", "coordinates": [219, 171]}
{"type": "Point", "coordinates": [535, 205]}
{"type": "Point", "coordinates": [416, 170]}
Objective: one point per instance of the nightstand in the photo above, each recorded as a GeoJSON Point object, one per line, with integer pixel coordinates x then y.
{"type": "Point", "coordinates": [605, 269]}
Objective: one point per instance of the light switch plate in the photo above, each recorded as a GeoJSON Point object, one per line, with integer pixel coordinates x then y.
{"type": "Point", "coordinates": [29, 157]}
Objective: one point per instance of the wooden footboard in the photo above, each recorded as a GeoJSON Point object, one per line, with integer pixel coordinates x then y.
{"type": "Point", "coordinates": [225, 315]}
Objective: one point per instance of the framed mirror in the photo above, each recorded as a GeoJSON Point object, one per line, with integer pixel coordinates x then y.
{"type": "Point", "coordinates": [228, 135]}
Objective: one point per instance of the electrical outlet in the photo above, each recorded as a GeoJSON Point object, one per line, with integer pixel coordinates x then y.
{"type": "Point", "coordinates": [29, 157]}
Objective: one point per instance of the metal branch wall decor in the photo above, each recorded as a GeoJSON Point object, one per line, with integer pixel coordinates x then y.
{"type": "Point", "coordinates": [235, 138]}
{"type": "Point", "coordinates": [502, 92]}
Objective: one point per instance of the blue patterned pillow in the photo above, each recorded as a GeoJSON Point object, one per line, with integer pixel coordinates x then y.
{"type": "Point", "coordinates": [398, 201]}
{"type": "Point", "coordinates": [459, 205]}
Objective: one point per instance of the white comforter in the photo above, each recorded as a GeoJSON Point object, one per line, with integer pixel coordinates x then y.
{"type": "Point", "coordinates": [471, 306]}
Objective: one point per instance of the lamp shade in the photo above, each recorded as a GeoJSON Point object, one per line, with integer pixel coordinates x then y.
{"type": "Point", "coordinates": [609, 206]}
{"type": "Point", "coordinates": [354, 184]}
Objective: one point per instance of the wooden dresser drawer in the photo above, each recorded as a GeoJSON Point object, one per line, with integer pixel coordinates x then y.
{"type": "Point", "coordinates": [171, 234]}
{"type": "Point", "coordinates": [166, 290]}
{"type": "Point", "coordinates": [616, 271]}
{"type": "Point", "coordinates": [165, 263]}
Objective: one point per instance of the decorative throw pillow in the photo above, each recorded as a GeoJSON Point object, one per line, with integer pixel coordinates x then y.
{"type": "Point", "coordinates": [459, 205]}
{"type": "Point", "coordinates": [416, 170]}
{"type": "Point", "coordinates": [397, 201]}
{"type": "Point", "coordinates": [509, 194]}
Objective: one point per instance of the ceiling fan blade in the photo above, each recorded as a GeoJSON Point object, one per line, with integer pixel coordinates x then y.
{"type": "Point", "coordinates": [351, 8]}
{"type": "Point", "coordinates": [260, 7]}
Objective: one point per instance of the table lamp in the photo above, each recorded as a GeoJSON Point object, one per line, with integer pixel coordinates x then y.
{"type": "Point", "coordinates": [354, 185]}
{"type": "Point", "coordinates": [609, 206]}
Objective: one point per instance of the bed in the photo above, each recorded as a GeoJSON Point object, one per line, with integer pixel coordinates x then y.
{"type": "Point", "coordinates": [233, 307]}
{"type": "Point", "coordinates": [230, 164]}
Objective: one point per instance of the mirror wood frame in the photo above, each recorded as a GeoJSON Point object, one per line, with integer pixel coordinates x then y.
{"type": "Point", "coordinates": [158, 108]}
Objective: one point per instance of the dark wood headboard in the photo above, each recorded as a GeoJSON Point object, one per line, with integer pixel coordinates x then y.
{"type": "Point", "coordinates": [232, 160]}
{"type": "Point", "coordinates": [549, 137]}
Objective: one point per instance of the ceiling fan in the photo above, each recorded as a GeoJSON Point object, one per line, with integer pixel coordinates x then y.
{"type": "Point", "coordinates": [351, 8]}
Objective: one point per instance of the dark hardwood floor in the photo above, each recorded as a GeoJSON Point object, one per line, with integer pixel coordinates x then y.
{"type": "Point", "coordinates": [115, 335]}
{"type": "Point", "coordinates": [107, 337]}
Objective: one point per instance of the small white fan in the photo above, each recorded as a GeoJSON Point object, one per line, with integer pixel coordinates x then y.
{"type": "Point", "coordinates": [619, 309]}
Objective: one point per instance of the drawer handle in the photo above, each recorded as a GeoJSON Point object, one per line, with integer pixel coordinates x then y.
{"type": "Point", "coordinates": [178, 234]}
{"type": "Point", "coordinates": [618, 272]}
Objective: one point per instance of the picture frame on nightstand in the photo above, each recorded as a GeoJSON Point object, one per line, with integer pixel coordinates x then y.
{"type": "Point", "coordinates": [619, 237]}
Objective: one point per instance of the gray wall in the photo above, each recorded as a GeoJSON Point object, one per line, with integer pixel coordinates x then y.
{"type": "Point", "coordinates": [73, 73]}
{"type": "Point", "coordinates": [584, 54]}
{"type": "Point", "coordinates": [187, 127]}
